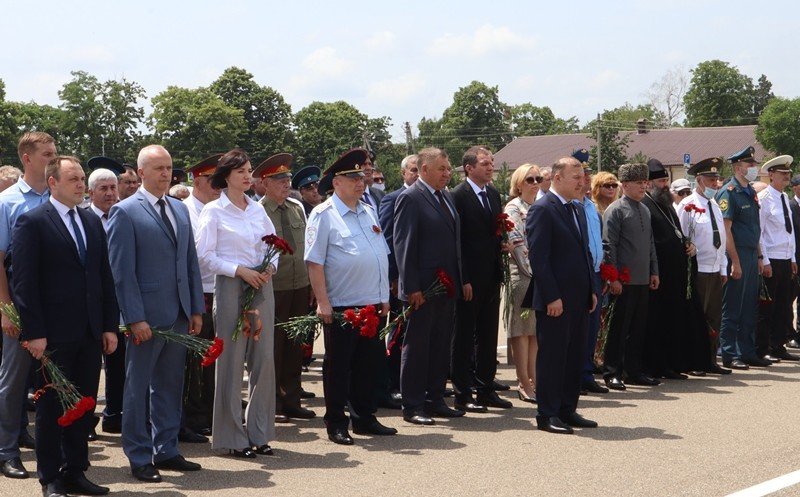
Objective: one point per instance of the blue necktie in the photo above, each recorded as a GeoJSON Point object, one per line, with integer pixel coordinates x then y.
{"type": "Point", "coordinates": [78, 236]}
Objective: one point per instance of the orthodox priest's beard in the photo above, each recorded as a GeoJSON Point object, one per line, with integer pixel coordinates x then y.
{"type": "Point", "coordinates": [662, 196]}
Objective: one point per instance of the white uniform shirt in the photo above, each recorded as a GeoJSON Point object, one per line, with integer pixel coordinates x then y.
{"type": "Point", "coordinates": [194, 206]}
{"type": "Point", "coordinates": [709, 259]}
{"type": "Point", "coordinates": [776, 242]}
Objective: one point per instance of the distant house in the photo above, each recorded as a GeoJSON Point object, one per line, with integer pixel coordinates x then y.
{"type": "Point", "coordinates": [666, 145]}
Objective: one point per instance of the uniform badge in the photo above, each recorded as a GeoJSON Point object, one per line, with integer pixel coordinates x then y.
{"type": "Point", "coordinates": [311, 235]}
{"type": "Point", "coordinates": [723, 205]}
{"type": "Point", "coordinates": [376, 228]}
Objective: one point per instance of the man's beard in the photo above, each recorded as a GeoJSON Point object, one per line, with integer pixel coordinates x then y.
{"type": "Point", "coordinates": [662, 196]}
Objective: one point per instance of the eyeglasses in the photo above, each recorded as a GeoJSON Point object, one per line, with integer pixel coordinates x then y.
{"type": "Point", "coordinates": [378, 180]}
{"type": "Point", "coordinates": [684, 193]}
{"type": "Point", "coordinates": [534, 179]}
{"type": "Point", "coordinates": [613, 186]}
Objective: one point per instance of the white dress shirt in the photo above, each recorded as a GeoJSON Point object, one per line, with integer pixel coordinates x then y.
{"type": "Point", "coordinates": [102, 215]}
{"type": "Point", "coordinates": [63, 211]}
{"type": "Point", "coordinates": [229, 237]}
{"type": "Point", "coordinates": [478, 190]}
{"type": "Point", "coordinates": [709, 259]}
{"type": "Point", "coordinates": [776, 242]}
{"type": "Point", "coordinates": [195, 206]}
{"type": "Point", "coordinates": [154, 202]}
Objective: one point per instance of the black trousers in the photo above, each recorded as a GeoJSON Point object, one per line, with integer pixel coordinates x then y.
{"type": "Point", "coordinates": [771, 330]}
{"type": "Point", "coordinates": [288, 353]}
{"type": "Point", "coordinates": [625, 342]}
{"type": "Point", "coordinates": [348, 374]}
{"type": "Point", "coordinates": [394, 349]}
{"type": "Point", "coordinates": [475, 338]}
{"type": "Point", "coordinates": [198, 386]}
{"type": "Point", "coordinates": [559, 361]}
{"type": "Point", "coordinates": [67, 447]}
{"type": "Point", "coordinates": [426, 354]}
{"type": "Point", "coordinates": [115, 380]}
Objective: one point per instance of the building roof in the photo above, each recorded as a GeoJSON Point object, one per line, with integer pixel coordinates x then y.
{"type": "Point", "coordinates": [666, 145]}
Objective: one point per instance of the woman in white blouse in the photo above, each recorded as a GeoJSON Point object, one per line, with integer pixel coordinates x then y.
{"type": "Point", "coordinates": [229, 245]}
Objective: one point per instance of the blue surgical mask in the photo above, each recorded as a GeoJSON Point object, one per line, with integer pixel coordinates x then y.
{"type": "Point", "coordinates": [710, 193]}
{"type": "Point", "coordinates": [752, 173]}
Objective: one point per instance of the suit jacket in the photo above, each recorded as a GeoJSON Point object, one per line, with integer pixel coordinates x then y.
{"type": "Point", "coordinates": [424, 240]}
{"type": "Point", "coordinates": [59, 297]}
{"type": "Point", "coordinates": [155, 277]}
{"type": "Point", "coordinates": [795, 210]}
{"type": "Point", "coordinates": [480, 245]}
{"type": "Point", "coordinates": [559, 255]}
{"type": "Point", "coordinates": [386, 217]}
{"type": "Point", "coordinates": [377, 196]}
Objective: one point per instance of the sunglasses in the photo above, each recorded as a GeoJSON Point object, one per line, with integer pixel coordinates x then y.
{"type": "Point", "coordinates": [534, 179]}
{"type": "Point", "coordinates": [378, 180]}
{"type": "Point", "coordinates": [684, 193]}
{"type": "Point", "coordinates": [613, 186]}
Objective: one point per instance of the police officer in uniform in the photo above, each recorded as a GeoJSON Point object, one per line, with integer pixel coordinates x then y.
{"type": "Point", "coordinates": [780, 266]}
{"type": "Point", "coordinates": [347, 259]}
{"type": "Point", "coordinates": [306, 181]}
{"type": "Point", "coordinates": [739, 206]}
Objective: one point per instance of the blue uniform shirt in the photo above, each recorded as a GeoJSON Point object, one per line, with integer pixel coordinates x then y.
{"type": "Point", "coordinates": [16, 200]}
{"type": "Point", "coordinates": [739, 204]}
{"type": "Point", "coordinates": [351, 248]}
{"type": "Point", "coordinates": [595, 234]}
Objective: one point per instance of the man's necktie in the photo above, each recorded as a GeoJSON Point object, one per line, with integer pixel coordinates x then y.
{"type": "Point", "coordinates": [163, 206]}
{"type": "Point", "coordinates": [367, 200]}
{"type": "Point", "coordinates": [786, 219]}
{"type": "Point", "coordinates": [715, 240]}
{"type": "Point", "coordinates": [444, 207]}
{"type": "Point", "coordinates": [485, 202]}
{"type": "Point", "coordinates": [78, 236]}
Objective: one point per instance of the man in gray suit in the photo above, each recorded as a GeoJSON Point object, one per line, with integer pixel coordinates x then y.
{"type": "Point", "coordinates": [153, 258]}
{"type": "Point", "coordinates": [426, 234]}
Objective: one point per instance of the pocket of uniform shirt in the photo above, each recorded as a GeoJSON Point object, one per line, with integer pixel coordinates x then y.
{"type": "Point", "coordinates": [347, 242]}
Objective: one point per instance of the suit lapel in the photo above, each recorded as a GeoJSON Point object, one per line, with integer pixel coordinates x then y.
{"type": "Point", "coordinates": [427, 195]}
{"type": "Point", "coordinates": [62, 228]}
{"type": "Point", "coordinates": [565, 214]}
{"type": "Point", "coordinates": [155, 215]}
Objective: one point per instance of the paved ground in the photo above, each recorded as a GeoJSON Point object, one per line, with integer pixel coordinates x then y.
{"type": "Point", "coordinates": [701, 437]}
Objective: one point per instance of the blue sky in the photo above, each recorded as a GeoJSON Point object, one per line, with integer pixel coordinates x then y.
{"type": "Point", "coordinates": [400, 59]}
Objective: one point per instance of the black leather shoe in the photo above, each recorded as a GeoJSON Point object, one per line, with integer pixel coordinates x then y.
{"type": "Point", "coordinates": [643, 380]}
{"type": "Point", "coordinates": [735, 364]}
{"type": "Point", "coordinates": [615, 383]}
{"type": "Point", "coordinates": [594, 387]}
{"type": "Point", "coordinates": [771, 358]}
{"type": "Point", "coordinates": [793, 344]}
{"type": "Point", "coordinates": [340, 436]}
{"type": "Point", "coordinates": [282, 418]}
{"type": "Point", "coordinates": [419, 419]}
{"type": "Point", "coordinates": [374, 428]}
{"type": "Point", "coordinates": [576, 420]}
{"type": "Point", "coordinates": [178, 463]}
{"type": "Point", "coordinates": [491, 399]}
{"type": "Point", "coordinates": [715, 369]}
{"type": "Point", "coordinates": [112, 425]}
{"type": "Point", "coordinates": [307, 395]}
{"type": "Point", "coordinates": [785, 355]}
{"type": "Point", "coordinates": [299, 413]}
{"type": "Point", "coordinates": [147, 473]}
{"type": "Point", "coordinates": [264, 450]}
{"type": "Point", "coordinates": [470, 406]}
{"type": "Point", "coordinates": [13, 468]}
{"type": "Point", "coordinates": [443, 411]}
{"type": "Point", "coordinates": [187, 435]}
{"type": "Point", "coordinates": [77, 483]}
{"type": "Point", "coordinates": [499, 387]}
{"type": "Point", "coordinates": [92, 436]}
{"type": "Point", "coordinates": [553, 425]}
{"type": "Point", "coordinates": [757, 362]}
{"type": "Point", "coordinates": [26, 440]}
{"type": "Point", "coordinates": [246, 453]}
{"type": "Point", "coordinates": [388, 402]}
{"type": "Point", "coordinates": [674, 375]}
{"type": "Point", "coordinates": [54, 489]}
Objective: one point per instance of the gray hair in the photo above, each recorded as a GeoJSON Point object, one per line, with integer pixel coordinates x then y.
{"type": "Point", "coordinates": [101, 174]}
{"type": "Point", "coordinates": [407, 159]}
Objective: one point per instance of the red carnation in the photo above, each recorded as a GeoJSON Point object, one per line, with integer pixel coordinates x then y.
{"type": "Point", "coordinates": [503, 224]}
{"type": "Point", "coordinates": [625, 275]}
{"type": "Point", "coordinates": [690, 207]}
{"type": "Point", "coordinates": [307, 349]}
{"type": "Point", "coordinates": [446, 282]}
{"type": "Point", "coordinates": [608, 272]}
{"type": "Point", "coordinates": [351, 317]}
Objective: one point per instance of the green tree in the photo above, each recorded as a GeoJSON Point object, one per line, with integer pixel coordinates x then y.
{"type": "Point", "coordinates": [719, 95]}
{"type": "Point", "coordinates": [762, 94]}
{"type": "Point", "coordinates": [326, 129]}
{"type": "Point", "coordinates": [81, 119]}
{"type": "Point", "coordinates": [268, 116]}
{"type": "Point", "coordinates": [8, 128]}
{"type": "Point", "coordinates": [530, 120]}
{"type": "Point", "coordinates": [122, 119]}
{"type": "Point", "coordinates": [778, 127]}
{"type": "Point", "coordinates": [616, 127]}
{"type": "Point", "coordinates": [194, 123]}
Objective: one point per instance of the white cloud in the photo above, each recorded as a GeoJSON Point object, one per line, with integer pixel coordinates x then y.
{"type": "Point", "coordinates": [487, 39]}
{"type": "Point", "coordinates": [324, 62]}
{"type": "Point", "coordinates": [397, 90]}
{"type": "Point", "coordinates": [382, 40]}
{"type": "Point", "coordinates": [604, 78]}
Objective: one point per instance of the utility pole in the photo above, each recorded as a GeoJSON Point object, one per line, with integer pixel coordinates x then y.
{"type": "Point", "coordinates": [409, 144]}
{"type": "Point", "coordinates": [599, 145]}
{"type": "Point", "coordinates": [104, 144]}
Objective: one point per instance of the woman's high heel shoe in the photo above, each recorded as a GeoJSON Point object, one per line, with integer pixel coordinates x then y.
{"type": "Point", "coordinates": [264, 450]}
{"type": "Point", "coordinates": [524, 397]}
{"type": "Point", "coordinates": [246, 453]}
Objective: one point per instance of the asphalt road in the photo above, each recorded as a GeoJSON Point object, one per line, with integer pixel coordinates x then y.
{"type": "Point", "coordinates": [700, 437]}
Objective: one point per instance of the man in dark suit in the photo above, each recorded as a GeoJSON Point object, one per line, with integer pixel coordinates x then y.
{"type": "Point", "coordinates": [793, 331]}
{"type": "Point", "coordinates": [372, 196]}
{"type": "Point", "coordinates": [426, 234]}
{"type": "Point", "coordinates": [478, 312]}
{"type": "Point", "coordinates": [563, 293]}
{"type": "Point", "coordinates": [158, 284]}
{"type": "Point", "coordinates": [64, 291]}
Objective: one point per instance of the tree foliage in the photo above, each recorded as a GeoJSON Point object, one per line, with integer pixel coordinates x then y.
{"type": "Point", "coordinates": [779, 126]}
{"type": "Point", "coordinates": [667, 96]}
{"type": "Point", "coordinates": [530, 120]}
{"type": "Point", "coordinates": [616, 126]}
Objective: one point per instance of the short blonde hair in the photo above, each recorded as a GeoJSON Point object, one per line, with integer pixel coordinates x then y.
{"type": "Point", "coordinates": [30, 140]}
{"type": "Point", "coordinates": [518, 177]}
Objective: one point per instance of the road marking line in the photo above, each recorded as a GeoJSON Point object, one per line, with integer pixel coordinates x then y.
{"type": "Point", "coordinates": [769, 486]}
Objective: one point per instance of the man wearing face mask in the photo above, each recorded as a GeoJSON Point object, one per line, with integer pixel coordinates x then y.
{"type": "Point", "coordinates": [710, 238]}
{"type": "Point", "coordinates": [739, 206]}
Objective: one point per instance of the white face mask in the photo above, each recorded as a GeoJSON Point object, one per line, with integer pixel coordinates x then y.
{"type": "Point", "coordinates": [752, 173]}
{"type": "Point", "coordinates": [379, 186]}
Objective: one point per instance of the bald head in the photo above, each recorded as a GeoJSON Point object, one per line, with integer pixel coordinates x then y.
{"type": "Point", "coordinates": [155, 169]}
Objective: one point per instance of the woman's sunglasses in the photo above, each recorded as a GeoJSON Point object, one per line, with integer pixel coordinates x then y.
{"type": "Point", "coordinates": [534, 179]}
{"type": "Point", "coordinates": [613, 186]}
